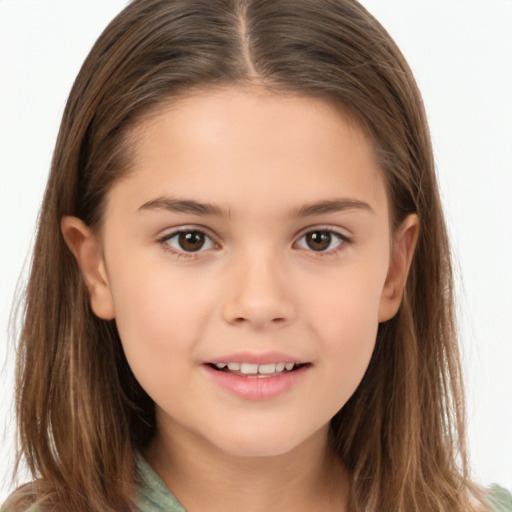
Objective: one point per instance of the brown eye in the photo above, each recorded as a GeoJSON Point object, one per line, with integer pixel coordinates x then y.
{"type": "Point", "coordinates": [188, 241]}
{"type": "Point", "coordinates": [191, 241]}
{"type": "Point", "coordinates": [321, 240]}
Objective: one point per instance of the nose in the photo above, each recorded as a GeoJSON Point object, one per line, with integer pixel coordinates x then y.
{"type": "Point", "coordinates": [259, 294]}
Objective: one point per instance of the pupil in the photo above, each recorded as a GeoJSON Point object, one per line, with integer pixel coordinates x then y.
{"type": "Point", "coordinates": [191, 241]}
{"type": "Point", "coordinates": [318, 240]}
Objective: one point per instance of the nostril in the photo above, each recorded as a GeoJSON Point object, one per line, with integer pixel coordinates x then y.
{"type": "Point", "coordinates": [274, 321]}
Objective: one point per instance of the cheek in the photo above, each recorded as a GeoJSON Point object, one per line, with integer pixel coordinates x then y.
{"type": "Point", "coordinates": [351, 345]}
{"type": "Point", "coordinates": [344, 318]}
{"type": "Point", "coordinates": [158, 323]}
{"type": "Point", "coordinates": [350, 330]}
{"type": "Point", "coordinates": [347, 302]}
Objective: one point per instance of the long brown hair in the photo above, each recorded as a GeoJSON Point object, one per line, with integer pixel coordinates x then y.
{"type": "Point", "coordinates": [81, 413]}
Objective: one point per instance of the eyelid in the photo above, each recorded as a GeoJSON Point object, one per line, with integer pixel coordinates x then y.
{"type": "Point", "coordinates": [163, 240]}
{"type": "Point", "coordinates": [336, 232]}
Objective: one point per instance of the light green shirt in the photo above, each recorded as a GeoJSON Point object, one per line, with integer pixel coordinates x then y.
{"type": "Point", "coordinates": [154, 496]}
{"type": "Point", "coordinates": [499, 499]}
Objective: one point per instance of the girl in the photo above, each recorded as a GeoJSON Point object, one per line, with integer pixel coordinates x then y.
{"type": "Point", "coordinates": [241, 293]}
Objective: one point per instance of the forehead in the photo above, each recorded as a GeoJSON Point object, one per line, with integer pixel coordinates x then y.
{"type": "Point", "coordinates": [235, 145]}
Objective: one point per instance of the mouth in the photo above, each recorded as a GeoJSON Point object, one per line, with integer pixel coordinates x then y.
{"type": "Point", "coordinates": [259, 371]}
{"type": "Point", "coordinates": [257, 377]}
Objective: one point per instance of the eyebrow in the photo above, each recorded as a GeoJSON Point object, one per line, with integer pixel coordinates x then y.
{"type": "Point", "coordinates": [333, 206]}
{"type": "Point", "coordinates": [207, 209]}
{"type": "Point", "coordinates": [184, 206]}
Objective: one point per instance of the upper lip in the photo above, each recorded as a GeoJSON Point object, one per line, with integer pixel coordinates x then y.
{"type": "Point", "coordinates": [256, 358]}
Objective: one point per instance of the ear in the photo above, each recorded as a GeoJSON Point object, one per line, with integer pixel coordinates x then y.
{"type": "Point", "coordinates": [402, 251]}
{"type": "Point", "coordinates": [86, 248]}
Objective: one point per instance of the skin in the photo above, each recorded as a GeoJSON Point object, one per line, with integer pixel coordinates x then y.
{"type": "Point", "coordinates": [261, 160]}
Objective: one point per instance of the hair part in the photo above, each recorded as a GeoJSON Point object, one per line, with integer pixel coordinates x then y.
{"type": "Point", "coordinates": [401, 434]}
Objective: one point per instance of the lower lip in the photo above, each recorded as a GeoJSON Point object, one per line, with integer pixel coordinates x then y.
{"type": "Point", "coordinates": [257, 388]}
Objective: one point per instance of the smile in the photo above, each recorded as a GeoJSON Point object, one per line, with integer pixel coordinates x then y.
{"type": "Point", "coordinates": [250, 382]}
{"type": "Point", "coordinates": [256, 370]}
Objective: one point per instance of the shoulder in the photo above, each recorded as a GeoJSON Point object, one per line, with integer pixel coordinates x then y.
{"type": "Point", "coordinates": [499, 499]}
{"type": "Point", "coordinates": [31, 497]}
{"type": "Point", "coordinates": [153, 495]}
{"type": "Point", "coordinates": [34, 507]}
{"type": "Point", "coordinates": [24, 499]}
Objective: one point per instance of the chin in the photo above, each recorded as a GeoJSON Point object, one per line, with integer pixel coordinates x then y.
{"type": "Point", "coordinates": [267, 444]}
{"type": "Point", "coordinates": [254, 450]}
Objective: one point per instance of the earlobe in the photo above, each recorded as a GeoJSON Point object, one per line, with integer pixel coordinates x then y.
{"type": "Point", "coordinates": [404, 243]}
{"type": "Point", "coordinates": [86, 249]}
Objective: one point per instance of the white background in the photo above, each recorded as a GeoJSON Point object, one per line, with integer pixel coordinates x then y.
{"type": "Point", "coordinates": [461, 53]}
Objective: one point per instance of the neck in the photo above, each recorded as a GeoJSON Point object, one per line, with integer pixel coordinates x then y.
{"type": "Point", "coordinates": [203, 477]}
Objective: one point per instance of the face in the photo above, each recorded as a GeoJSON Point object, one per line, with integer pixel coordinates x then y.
{"type": "Point", "coordinates": [247, 261]}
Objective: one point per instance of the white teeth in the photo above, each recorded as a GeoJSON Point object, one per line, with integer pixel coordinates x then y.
{"type": "Point", "coordinates": [267, 368]}
{"type": "Point", "coordinates": [246, 368]}
{"type": "Point", "coordinates": [255, 369]}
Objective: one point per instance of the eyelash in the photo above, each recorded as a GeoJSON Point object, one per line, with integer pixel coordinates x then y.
{"type": "Point", "coordinates": [343, 241]}
{"type": "Point", "coordinates": [164, 241]}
